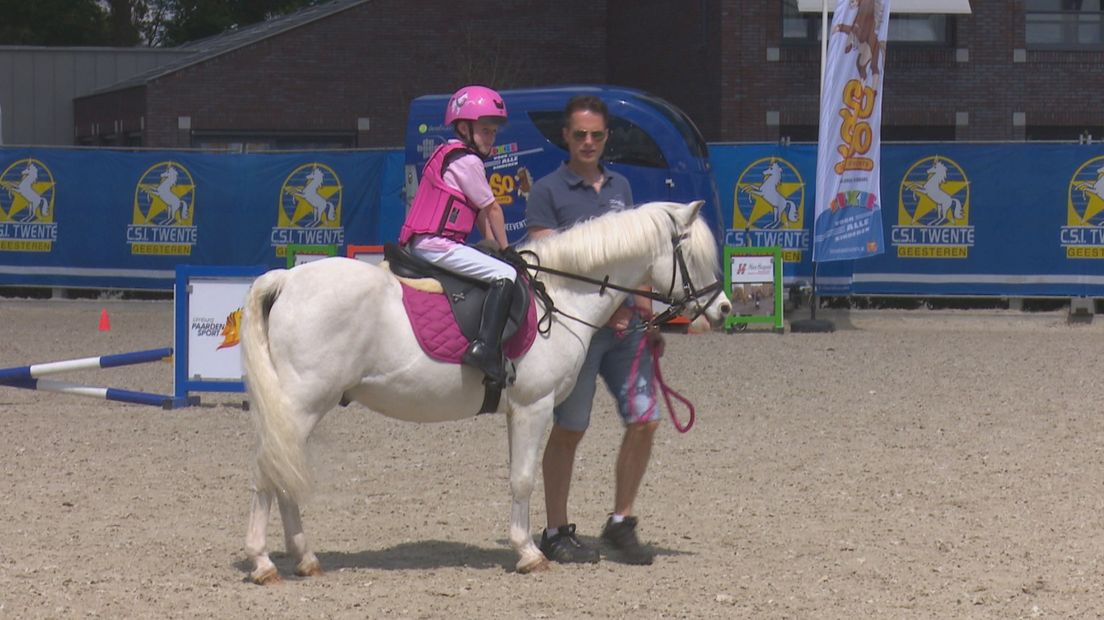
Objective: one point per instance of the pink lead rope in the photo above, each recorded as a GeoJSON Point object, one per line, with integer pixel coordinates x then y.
{"type": "Point", "coordinates": [667, 391]}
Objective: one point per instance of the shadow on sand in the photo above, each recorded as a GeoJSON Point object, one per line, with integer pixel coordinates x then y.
{"type": "Point", "coordinates": [431, 554]}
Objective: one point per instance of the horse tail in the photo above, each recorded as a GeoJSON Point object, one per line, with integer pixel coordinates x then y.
{"type": "Point", "coordinates": [791, 211]}
{"type": "Point", "coordinates": [281, 458]}
{"type": "Point", "coordinates": [957, 208]}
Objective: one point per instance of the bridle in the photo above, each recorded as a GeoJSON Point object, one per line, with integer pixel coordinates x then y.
{"type": "Point", "coordinates": [675, 305]}
{"type": "Point", "coordinates": [689, 292]}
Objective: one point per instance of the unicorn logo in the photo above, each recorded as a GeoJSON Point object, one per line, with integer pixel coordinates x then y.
{"type": "Point", "coordinates": [1083, 234]}
{"type": "Point", "coordinates": [161, 198]}
{"type": "Point", "coordinates": [862, 37]}
{"type": "Point", "coordinates": [324, 210]}
{"type": "Point", "coordinates": [175, 207]}
{"type": "Point", "coordinates": [318, 198]}
{"type": "Point", "coordinates": [1087, 194]}
{"type": "Point", "coordinates": [932, 189]}
{"type": "Point", "coordinates": [28, 193]}
{"type": "Point", "coordinates": [459, 103]}
{"type": "Point", "coordinates": [933, 196]}
{"type": "Point", "coordinates": [771, 196]}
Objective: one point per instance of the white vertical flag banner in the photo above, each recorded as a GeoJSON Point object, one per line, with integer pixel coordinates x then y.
{"type": "Point", "coordinates": [848, 221]}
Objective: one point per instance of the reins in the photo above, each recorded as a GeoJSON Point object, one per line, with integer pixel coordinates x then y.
{"type": "Point", "coordinates": [674, 306]}
{"type": "Point", "coordinates": [664, 389]}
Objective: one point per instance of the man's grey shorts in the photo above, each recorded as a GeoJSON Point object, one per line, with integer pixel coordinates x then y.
{"type": "Point", "coordinates": [611, 356]}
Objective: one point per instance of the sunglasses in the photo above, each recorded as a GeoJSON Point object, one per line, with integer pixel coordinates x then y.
{"type": "Point", "coordinates": [598, 135]}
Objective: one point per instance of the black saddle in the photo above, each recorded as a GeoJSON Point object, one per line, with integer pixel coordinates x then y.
{"type": "Point", "coordinates": [465, 295]}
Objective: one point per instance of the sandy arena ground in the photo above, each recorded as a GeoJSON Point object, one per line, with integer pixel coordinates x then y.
{"type": "Point", "coordinates": [914, 464]}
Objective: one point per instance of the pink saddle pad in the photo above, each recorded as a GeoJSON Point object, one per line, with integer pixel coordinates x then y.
{"type": "Point", "coordinates": [436, 329]}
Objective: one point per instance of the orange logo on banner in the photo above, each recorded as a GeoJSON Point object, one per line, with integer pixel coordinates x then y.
{"type": "Point", "coordinates": [857, 134]}
{"type": "Point", "coordinates": [231, 332]}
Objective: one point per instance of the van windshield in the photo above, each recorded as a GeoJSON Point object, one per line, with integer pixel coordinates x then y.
{"type": "Point", "coordinates": [628, 144]}
{"type": "Point", "coordinates": [694, 140]}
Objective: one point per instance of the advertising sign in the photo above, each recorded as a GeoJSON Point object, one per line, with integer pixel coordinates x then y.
{"type": "Point", "coordinates": [208, 308]}
{"type": "Point", "coordinates": [959, 219]}
{"type": "Point", "coordinates": [848, 220]}
{"type": "Point", "coordinates": [753, 282]}
{"type": "Point", "coordinates": [301, 254]}
{"type": "Point", "coordinates": [102, 218]}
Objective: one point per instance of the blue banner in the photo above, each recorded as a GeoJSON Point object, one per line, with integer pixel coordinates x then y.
{"type": "Point", "coordinates": [958, 219]}
{"type": "Point", "coordinates": [848, 220]}
{"type": "Point", "coordinates": [126, 219]}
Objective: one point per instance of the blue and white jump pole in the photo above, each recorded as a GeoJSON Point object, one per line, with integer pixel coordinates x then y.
{"type": "Point", "coordinates": [28, 377]}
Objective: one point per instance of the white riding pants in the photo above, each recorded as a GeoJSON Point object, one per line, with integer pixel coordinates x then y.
{"type": "Point", "coordinates": [468, 261]}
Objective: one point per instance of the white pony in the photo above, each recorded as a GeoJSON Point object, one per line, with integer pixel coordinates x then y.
{"type": "Point", "coordinates": [174, 204]}
{"type": "Point", "coordinates": [323, 209]}
{"type": "Point", "coordinates": [336, 329]}
{"type": "Point", "coordinates": [37, 205]}
{"type": "Point", "coordinates": [784, 210]}
{"type": "Point", "coordinates": [933, 189]}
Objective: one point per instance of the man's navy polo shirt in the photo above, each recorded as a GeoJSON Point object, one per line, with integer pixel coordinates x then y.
{"type": "Point", "coordinates": [563, 198]}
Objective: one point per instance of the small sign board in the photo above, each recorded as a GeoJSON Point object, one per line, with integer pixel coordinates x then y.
{"type": "Point", "coordinates": [368, 253]}
{"type": "Point", "coordinates": [300, 254]}
{"type": "Point", "coordinates": [207, 317]}
{"type": "Point", "coordinates": [753, 282]}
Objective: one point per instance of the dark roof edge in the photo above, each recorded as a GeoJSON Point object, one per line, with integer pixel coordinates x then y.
{"type": "Point", "coordinates": [200, 57]}
{"type": "Point", "coordinates": [59, 49]}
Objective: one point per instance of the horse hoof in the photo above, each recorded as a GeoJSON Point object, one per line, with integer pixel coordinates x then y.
{"type": "Point", "coordinates": [539, 566]}
{"type": "Point", "coordinates": [309, 569]}
{"type": "Point", "coordinates": [268, 577]}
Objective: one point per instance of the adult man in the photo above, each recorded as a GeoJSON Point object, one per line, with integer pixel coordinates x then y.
{"type": "Point", "coordinates": [581, 189]}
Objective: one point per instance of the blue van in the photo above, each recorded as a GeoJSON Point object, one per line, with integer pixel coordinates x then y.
{"type": "Point", "coordinates": [653, 143]}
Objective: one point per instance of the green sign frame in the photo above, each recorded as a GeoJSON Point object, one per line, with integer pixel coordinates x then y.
{"type": "Point", "coordinates": [296, 251]}
{"type": "Point", "coordinates": [739, 321]}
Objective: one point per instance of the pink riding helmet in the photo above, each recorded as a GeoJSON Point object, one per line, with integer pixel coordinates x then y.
{"type": "Point", "coordinates": [472, 103]}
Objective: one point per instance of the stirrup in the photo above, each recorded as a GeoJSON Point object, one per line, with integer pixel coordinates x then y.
{"type": "Point", "coordinates": [494, 372]}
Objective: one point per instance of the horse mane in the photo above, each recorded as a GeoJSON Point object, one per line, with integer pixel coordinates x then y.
{"type": "Point", "coordinates": [618, 235]}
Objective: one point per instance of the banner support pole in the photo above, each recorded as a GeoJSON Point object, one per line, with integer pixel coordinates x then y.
{"type": "Point", "coordinates": [812, 324]}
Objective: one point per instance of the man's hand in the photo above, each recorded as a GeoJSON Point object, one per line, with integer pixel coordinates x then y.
{"type": "Point", "coordinates": [655, 340]}
{"type": "Point", "coordinates": [620, 319]}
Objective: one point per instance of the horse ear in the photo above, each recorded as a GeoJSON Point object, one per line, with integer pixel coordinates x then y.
{"type": "Point", "coordinates": [695, 210]}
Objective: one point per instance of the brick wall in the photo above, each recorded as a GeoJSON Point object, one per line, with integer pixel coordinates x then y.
{"type": "Point", "coordinates": [923, 86]}
{"type": "Point", "coordinates": [669, 49]}
{"type": "Point", "coordinates": [371, 60]}
{"type": "Point", "coordinates": [721, 61]}
{"type": "Point", "coordinates": [96, 118]}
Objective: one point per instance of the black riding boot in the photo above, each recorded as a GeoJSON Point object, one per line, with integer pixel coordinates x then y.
{"type": "Point", "coordinates": [485, 352]}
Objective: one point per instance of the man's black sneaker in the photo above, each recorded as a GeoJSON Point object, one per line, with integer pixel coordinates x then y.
{"type": "Point", "coordinates": [622, 536]}
{"type": "Point", "coordinates": [565, 548]}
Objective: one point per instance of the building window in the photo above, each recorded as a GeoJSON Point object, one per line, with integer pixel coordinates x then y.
{"type": "Point", "coordinates": [259, 142]}
{"type": "Point", "coordinates": [934, 30]}
{"type": "Point", "coordinates": [918, 133]}
{"type": "Point", "coordinates": [1065, 24]}
{"type": "Point", "coordinates": [890, 133]}
{"type": "Point", "coordinates": [1065, 133]}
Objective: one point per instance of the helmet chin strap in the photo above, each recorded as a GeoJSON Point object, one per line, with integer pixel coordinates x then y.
{"type": "Point", "coordinates": [469, 140]}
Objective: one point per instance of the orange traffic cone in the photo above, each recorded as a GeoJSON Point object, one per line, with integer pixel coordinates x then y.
{"type": "Point", "coordinates": [105, 322]}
